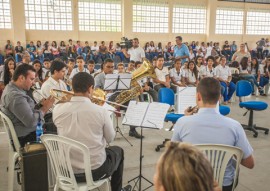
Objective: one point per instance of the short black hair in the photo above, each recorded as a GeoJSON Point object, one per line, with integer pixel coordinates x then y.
{"type": "Point", "coordinates": [108, 60]}
{"type": "Point", "coordinates": [71, 60]}
{"type": "Point", "coordinates": [179, 37]}
{"type": "Point", "coordinates": [46, 60]}
{"type": "Point", "coordinates": [160, 56]}
{"type": "Point", "coordinates": [78, 86]}
{"type": "Point", "coordinates": [210, 58]}
{"type": "Point", "coordinates": [137, 63]}
{"type": "Point", "coordinates": [210, 90]}
{"type": "Point", "coordinates": [79, 58]}
{"type": "Point", "coordinates": [57, 65]}
{"type": "Point", "coordinates": [90, 62]}
{"type": "Point", "coordinates": [22, 70]}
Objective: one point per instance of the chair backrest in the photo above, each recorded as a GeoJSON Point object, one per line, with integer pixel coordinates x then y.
{"type": "Point", "coordinates": [12, 135]}
{"type": "Point", "coordinates": [243, 88]}
{"type": "Point", "coordinates": [166, 95]}
{"type": "Point", "coordinates": [59, 149]}
{"type": "Point", "coordinates": [219, 157]}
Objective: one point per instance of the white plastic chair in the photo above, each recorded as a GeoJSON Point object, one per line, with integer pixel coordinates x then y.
{"type": "Point", "coordinates": [58, 149]}
{"type": "Point", "coordinates": [14, 148]}
{"type": "Point", "coordinates": [219, 156]}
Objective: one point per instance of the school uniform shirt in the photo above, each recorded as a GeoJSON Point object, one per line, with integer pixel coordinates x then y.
{"type": "Point", "coordinates": [76, 70]}
{"type": "Point", "coordinates": [162, 73]}
{"type": "Point", "coordinates": [177, 75]}
{"type": "Point", "coordinates": [44, 72]}
{"type": "Point", "coordinates": [223, 72]}
{"type": "Point", "coordinates": [207, 72]}
{"type": "Point", "coordinates": [191, 76]}
{"type": "Point", "coordinates": [52, 84]}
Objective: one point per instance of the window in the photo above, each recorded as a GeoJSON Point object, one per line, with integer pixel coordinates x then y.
{"type": "Point", "coordinates": [189, 20]}
{"type": "Point", "coordinates": [48, 14]}
{"type": "Point", "coordinates": [258, 22]}
{"type": "Point", "coordinates": [5, 17]}
{"type": "Point", "coordinates": [149, 17]}
{"type": "Point", "coordinates": [229, 21]}
{"type": "Point", "coordinates": [96, 15]}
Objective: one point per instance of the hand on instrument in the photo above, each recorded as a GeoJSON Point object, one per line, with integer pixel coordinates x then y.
{"type": "Point", "coordinates": [191, 110]}
{"type": "Point", "coordinates": [47, 104]}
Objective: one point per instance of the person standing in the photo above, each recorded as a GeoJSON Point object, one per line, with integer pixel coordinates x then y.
{"type": "Point", "coordinates": [180, 50]}
{"type": "Point", "coordinates": [135, 53]}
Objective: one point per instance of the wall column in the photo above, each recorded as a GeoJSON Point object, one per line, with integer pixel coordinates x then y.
{"type": "Point", "coordinates": [127, 21]}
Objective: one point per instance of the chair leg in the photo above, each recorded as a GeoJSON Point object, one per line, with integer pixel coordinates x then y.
{"type": "Point", "coordinates": [252, 127]}
{"type": "Point", "coordinates": [161, 145]}
{"type": "Point", "coordinates": [11, 169]}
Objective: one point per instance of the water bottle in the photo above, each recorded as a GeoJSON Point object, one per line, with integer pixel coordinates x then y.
{"type": "Point", "coordinates": [39, 131]}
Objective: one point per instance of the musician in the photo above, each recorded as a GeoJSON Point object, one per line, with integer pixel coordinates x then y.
{"type": "Point", "coordinates": [90, 124]}
{"type": "Point", "coordinates": [55, 81]}
{"type": "Point", "coordinates": [80, 68]}
{"type": "Point", "coordinates": [108, 67]}
{"type": "Point", "coordinates": [210, 127]}
{"type": "Point", "coordinates": [19, 107]}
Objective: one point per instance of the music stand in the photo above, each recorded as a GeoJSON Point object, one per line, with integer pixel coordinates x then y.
{"type": "Point", "coordinates": [118, 82]}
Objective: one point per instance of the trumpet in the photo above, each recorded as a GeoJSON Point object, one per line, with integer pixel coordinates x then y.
{"type": "Point", "coordinates": [98, 97]}
{"type": "Point", "coordinates": [39, 104]}
{"type": "Point", "coordinates": [193, 110]}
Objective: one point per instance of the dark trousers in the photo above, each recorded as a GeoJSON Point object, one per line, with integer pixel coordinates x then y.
{"type": "Point", "coordinates": [113, 166]}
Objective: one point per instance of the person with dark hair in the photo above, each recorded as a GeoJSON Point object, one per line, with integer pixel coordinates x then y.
{"type": "Point", "coordinates": [9, 68]}
{"type": "Point", "coordinates": [95, 131]}
{"type": "Point", "coordinates": [39, 73]}
{"type": "Point", "coordinates": [191, 75]}
{"type": "Point", "coordinates": [9, 49]}
{"type": "Point", "coordinates": [177, 75]}
{"type": "Point", "coordinates": [135, 53]}
{"type": "Point", "coordinates": [71, 49]}
{"type": "Point", "coordinates": [18, 52]}
{"type": "Point", "coordinates": [26, 59]}
{"type": "Point", "coordinates": [245, 71]}
{"type": "Point", "coordinates": [163, 78]}
{"type": "Point", "coordinates": [25, 117]}
{"type": "Point", "coordinates": [208, 126]}
{"type": "Point", "coordinates": [80, 68]}
{"type": "Point", "coordinates": [180, 50]}
{"type": "Point", "coordinates": [224, 75]}
{"type": "Point", "coordinates": [91, 66]}
{"type": "Point", "coordinates": [108, 67]}
{"type": "Point", "coordinates": [55, 81]}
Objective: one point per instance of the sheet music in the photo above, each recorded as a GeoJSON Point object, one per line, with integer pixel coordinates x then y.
{"type": "Point", "coordinates": [123, 83]}
{"type": "Point", "coordinates": [145, 114]}
{"type": "Point", "coordinates": [186, 98]}
{"type": "Point", "coordinates": [155, 115]}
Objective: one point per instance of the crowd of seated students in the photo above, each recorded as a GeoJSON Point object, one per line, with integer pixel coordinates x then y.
{"type": "Point", "coordinates": [228, 64]}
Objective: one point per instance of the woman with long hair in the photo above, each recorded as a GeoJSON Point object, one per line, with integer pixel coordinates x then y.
{"type": "Point", "coordinates": [39, 72]}
{"type": "Point", "coordinates": [265, 74]}
{"type": "Point", "coordinates": [245, 72]}
{"type": "Point", "coordinates": [192, 74]}
{"type": "Point", "coordinates": [55, 50]}
{"type": "Point", "coordinates": [9, 67]}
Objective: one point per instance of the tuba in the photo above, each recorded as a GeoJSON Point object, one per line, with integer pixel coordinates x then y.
{"type": "Point", "coordinates": [145, 70]}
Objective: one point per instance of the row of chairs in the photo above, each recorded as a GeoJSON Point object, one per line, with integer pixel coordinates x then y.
{"type": "Point", "coordinates": [58, 147]}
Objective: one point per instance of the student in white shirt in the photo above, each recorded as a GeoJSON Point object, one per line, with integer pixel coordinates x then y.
{"type": "Point", "coordinates": [177, 75]}
{"type": "Point", "coordinates": [80, 68]}
{"type": "Point", "coordinates": [223, 74]}
{"type": "Point", "coordinates": [46, 69]}
{"type": "Point", "coordinates": [192, 75]}
{"type": "Point", "coordinates": [94, 130]}
{"type": "Point", "coordinates": [208, 70]}
{"type": "Point", "coordinates": [55, 81]}
{"type": "Point", "coordinates": [163, 79]}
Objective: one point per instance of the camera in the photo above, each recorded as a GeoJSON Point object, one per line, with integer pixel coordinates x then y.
{"type": "Point", "coordinates": [125, 43]}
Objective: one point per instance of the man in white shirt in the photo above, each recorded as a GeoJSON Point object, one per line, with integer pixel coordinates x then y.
{"type": "Point", "coordinates": [94, 130]}
{"type": "Point", "coordinates": [55, 81]}
{"type": "Point", "coordinates": [224, 75]}
{"type": "Point", "coordinates": [80, 63]}
{"type": "Point", "coordinates": [163, 79]}
{"type": "Point", "coordinates": [135, 53]}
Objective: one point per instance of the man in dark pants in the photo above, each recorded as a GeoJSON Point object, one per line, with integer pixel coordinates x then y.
{"type": "Point", "coordinates": [94, 130]}
{"type": "Point", "coordinates": [19, 107]}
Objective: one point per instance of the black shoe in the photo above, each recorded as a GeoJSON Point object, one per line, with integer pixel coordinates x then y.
{"type": "Point", "coordinates": [134, 133]}
{"type": "Point", "coordinates": [127, 188]}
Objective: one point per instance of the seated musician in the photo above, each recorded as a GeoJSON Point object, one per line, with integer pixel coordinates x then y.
{"type": "Point", "coordinates": [55, 81]}
{"type": "Point", "coordinates": [210, 127]}
{"type": "Point", "coordinates": [19, 107]}
{"type": "Point", "coordinates": [108, 67]}
{"type": "Point", "coordinates": [80, 63]}
{"type": "Point", "coordinates": [90, 124]}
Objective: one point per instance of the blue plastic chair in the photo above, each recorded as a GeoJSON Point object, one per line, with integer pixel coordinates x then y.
{"type": "Point", "coordinates": [244, 88]}
{"type": "Point", "coordinates": [166, 95]}
{"type": "Point", "coordinates": [224, 110]}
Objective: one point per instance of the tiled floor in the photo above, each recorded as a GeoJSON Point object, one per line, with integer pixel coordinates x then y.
{"type": "Point", "coordinates": [256, 179]}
